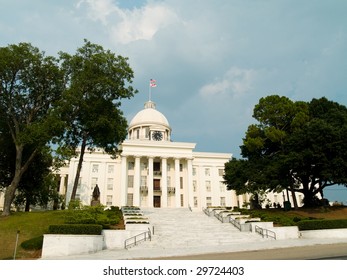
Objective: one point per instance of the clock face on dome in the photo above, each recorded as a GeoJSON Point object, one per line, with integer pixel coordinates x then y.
{"type": "Point", "coordinates": [157, 135]}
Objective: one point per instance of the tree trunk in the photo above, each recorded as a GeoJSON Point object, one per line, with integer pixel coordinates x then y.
{"type": "Point", "coordinates": [11, 189]}
{"type": "Point", "coordinates": [27, 205]}
{"type": "Point", "coordinates": [79, 167]}
{"type": "Point", "coordinates": [19, 171]}
{"type": "Point", "coordinates": [296, 207]}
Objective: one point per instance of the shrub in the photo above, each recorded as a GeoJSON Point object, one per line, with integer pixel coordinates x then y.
{"type": "Point", "coordinates": [33, 243]}
{"type": "Point", "coordinates": [75, 229]}
{"type": "Point", "coordinates": [321, 224]}
{"type": "Point", "coordinates": [94, 215]}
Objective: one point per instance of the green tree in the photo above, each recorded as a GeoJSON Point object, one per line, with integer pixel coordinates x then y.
{"type": "Point", "coordinates": [96, 80]}
{"type": "Point", "coordinates": [298, 146]}
{"type": "Point", "coordinates": [38, 185]}
{"type": "Point", "coordinates": [30, 84]}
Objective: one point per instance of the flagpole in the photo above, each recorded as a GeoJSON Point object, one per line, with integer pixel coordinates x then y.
{"type": "Point", "coordinates": [150, 91]}
{"type": "Point", "coordinates": [152, 83]}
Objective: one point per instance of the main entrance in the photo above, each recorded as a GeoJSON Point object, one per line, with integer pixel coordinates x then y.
{"type": "Point", "coordinates": [156, 201]}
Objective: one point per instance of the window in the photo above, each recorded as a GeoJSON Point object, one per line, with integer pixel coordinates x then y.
{"type": "Point", "coordinates": [195, 202]}
{"type": "Point", "coordinates": [208, 201]}
{"type": "Point", "coordinates": [208, 186]}
{"type": "Point", "coordinates": [181, 167]}
{"type": "Point", "coordinates": [222, 187]}
{"type": "Point", "coordinates": [168, 181]}
{"type": "Point", "coordinates": [194, 171]}
{"type": "Point", "coordinates": [109, 200]}
{"type": "Point", "coordinates": [110, 168]}
{"type": "Point", "coordinates": [207, 172]}
{"type": "Point", "coordinates": [181, 182]}
{"type": "Point", "coordinates": [130, 181]}
{"type": "Point", "coordinates": [143, 165]}
{"type": "Point", "coordinates": [131, 165]}
{"type": "Point", "coordinates": [95, 168]}
{"type": "Point", "coordinates": [130, 199]}
{"type": "Point", "coordinates": [137, 133]}
{"type": "Point", "coordinates": [147, 132]}
{"type": "Point", "coordinates": [156, 166]}
{"type": "Point", "coordinates": [220, 172]}
{"type": "Point", "coordinates": [143, 181]}
{"type": "Point", "coordinates": [168, 167]}
{"type": "Point", "coordinates": [194, 185]}
{"type": "Point", "coordinates": [109, 184]}
{"type": "Point", "coordinates": [222, 201]}
{"type": "Point", "coordinates": [182, 200]}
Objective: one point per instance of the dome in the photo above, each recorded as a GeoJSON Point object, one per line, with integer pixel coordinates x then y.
{"type": "Point", "coordinates": [149, 124]}
{"type": "Point", "coordinates": [149, 116]}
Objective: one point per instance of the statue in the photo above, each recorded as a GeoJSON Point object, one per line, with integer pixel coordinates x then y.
{"type": "Point", "coordinates": [96, 196]}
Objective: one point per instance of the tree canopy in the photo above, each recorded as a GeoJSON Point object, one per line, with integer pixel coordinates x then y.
{"type": "Point", "coordinates": [30, 85]}
{"type": "Point", "coordinates": [72, 101]}
{"type": "Point", "coordinates": [298, 146]}
{"type": "Point", "coordinates": [97, 80]}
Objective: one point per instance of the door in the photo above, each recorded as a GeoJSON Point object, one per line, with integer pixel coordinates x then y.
{"type": "Point", "coordinates": [156, 201]}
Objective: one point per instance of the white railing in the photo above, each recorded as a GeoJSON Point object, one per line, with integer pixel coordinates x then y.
{"type": "Point", "coordinates": [133, 241]}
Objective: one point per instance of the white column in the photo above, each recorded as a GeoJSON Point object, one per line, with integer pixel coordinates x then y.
{"type": "Point", "coordinates": [240, 200]}
{"type": "Point", "coordinates": [62, 189]}
{"type": "Point", "coordinates": [123, 182]}
{"type": "Point", "coordinates": [177, 183]}
{"type": "Point", "coordinates": [190, 182]}
{"type": "Point", "coordinates": [137, 180]}
{"type": "Point", "coordinates": [233, 199]}
{"type": "Point", "coordinates": [164, 183]}
{"type": "Point", "coordinates": [150, 182]}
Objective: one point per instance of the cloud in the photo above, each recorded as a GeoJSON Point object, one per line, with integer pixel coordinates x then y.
{"type": "Point", "coordinates": [128, 25]}
{"type": "Point", "coordinates": [98, 10]}
{"type": "Point", "coordinates": [235, 82]}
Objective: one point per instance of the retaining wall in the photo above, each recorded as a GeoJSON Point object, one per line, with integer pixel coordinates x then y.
{"type": "Point", "coordinates": [324, 233]}
{"type": "Point", "coordinates": [58, 245]}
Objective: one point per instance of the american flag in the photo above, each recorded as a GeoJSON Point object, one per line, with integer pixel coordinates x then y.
{"type": "Point", "coordinates": [152, 83]}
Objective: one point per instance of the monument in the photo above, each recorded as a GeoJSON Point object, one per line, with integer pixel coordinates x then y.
{"type": "Point", "coordinates": [96, 196]}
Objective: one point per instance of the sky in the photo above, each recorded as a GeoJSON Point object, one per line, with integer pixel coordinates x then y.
{"type": "Point", "coordinates": [212, 60]}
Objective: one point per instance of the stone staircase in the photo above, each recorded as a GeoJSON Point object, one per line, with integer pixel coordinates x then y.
{"type": "Point", "coordinates": [181, 228]}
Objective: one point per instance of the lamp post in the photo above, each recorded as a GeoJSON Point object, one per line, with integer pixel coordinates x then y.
{"type": "Point", "coordinates": [15, 248]}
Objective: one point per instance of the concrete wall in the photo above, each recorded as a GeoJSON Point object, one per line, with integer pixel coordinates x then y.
{"type": "Point", "coordinates": [286, 232]}
{"type": "Point", "coordinates": [324, 233]}
{"type": "Point", "coordinates": [58, 245]}
{"type": "Point", "coordinates": [114, 239]}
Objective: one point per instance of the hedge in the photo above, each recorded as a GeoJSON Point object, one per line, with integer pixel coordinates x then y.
{"type": "Point", "coordinates": [33, 243]}
{"type": "Point", "coordinates": [75, 229]}
{"type": "Point", "coordinates": [321, 224]}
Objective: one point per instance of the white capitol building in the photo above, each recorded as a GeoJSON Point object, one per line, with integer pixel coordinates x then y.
{"type": "Point", "coordinates": [153, 171]}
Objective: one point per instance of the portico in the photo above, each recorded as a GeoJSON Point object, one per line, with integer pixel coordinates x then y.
{"type": "Point", "coordinates": [156, 181]}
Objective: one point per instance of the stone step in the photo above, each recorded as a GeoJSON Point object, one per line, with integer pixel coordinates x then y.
{"type": "Point", "coordinates": [181, 228]}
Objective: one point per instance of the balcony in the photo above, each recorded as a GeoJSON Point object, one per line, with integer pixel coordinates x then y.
{"type": "Point", "coordinates": [157, 190]}
{"type": "Point", "coordinates": [157, 173]}
{"type": "Point", "coordinates": [171, 190]}
{"type": "Point", "coordinates": [144, 189]}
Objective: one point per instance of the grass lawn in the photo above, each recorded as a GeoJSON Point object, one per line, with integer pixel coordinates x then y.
{"type": "Point", "coordinates": [30, 225]}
